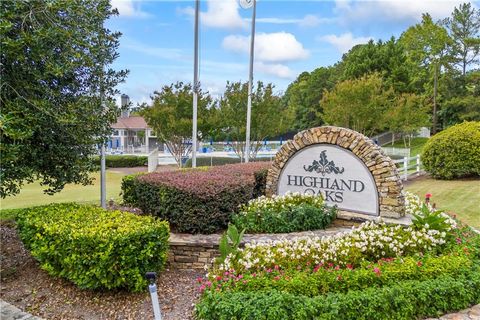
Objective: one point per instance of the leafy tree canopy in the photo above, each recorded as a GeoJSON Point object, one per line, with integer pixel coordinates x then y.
{"type": "Point", "coordinates": [170, 115]}
{"type": "Point", "coordinates": [54, 60]}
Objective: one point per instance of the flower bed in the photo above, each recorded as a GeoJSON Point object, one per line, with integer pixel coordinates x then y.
{"type": "Point", "coordinates": [376, 271]}
{"type": "Point", "coordinates": [196, 200]}
{"type": "Point", "coordinates": [283, 214]}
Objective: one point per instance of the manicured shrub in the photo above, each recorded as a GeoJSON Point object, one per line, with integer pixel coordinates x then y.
{"type": "Point", "coordinates": [92, 247]}
{"type": "Point", "coordinates": [122, 161]}
{"type": "Point", "coordinates": [197, 200]}
{"type": "Point", "coordinates": [287, 213]}
{"type": "Point", "coordinates": [454, 152]}
{"type": "Point", "coordinates": [406, 300]}
{"type": "Point", "coordinates": [219, 161]}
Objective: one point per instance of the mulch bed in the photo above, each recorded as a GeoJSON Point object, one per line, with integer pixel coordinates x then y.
{"type": "Point", "coordinates": [24, 285]}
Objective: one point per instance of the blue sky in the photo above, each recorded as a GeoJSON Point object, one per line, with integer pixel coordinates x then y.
{"type": "Point", "coordinates": [291, 37]}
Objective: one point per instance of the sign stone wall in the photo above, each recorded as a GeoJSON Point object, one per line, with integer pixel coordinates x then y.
{"type": "Point", "coordinates": [342, 165]}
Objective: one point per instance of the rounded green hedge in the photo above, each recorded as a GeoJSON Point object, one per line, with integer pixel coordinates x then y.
{"type": "Point", "coordinates": [454, 152]}
{"type": "Point", "coordinates": [92, 247]}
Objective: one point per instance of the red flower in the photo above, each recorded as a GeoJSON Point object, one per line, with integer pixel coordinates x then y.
{"type": "Point", "coordinates": [349, 266]}
{"type": "Point", "coordinates": [428, 195]}
{"type": "Point", "coordinates": [419, 263]}
{"type": "Point", "coordinates": [199, 279]}
{"type": "Point", "coordinates": [218, 278]}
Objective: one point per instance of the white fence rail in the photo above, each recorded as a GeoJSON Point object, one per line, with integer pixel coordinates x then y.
{"type": "Point", "coordinates": [406, 166]}
{"type": "Point", "coordinates": [391, 151]}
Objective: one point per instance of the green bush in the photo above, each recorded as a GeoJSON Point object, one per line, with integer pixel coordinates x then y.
{"type": "Point", "coordinates": [282, 214]}
{"type": "Point", "coordinates": [92, 247]}
{"type": "Point", "coordinates": [454, 152]}
{"type": "Point", "coordinates": [219, 161]}
{"type": "Point", "coordinates": [196, 200]}
{"type": "Point", "coordinates": [405, 300]}
{"type": "Point", "coordinates": [122, 161]}
{"type": "Point", "coordinates": [323, 279]}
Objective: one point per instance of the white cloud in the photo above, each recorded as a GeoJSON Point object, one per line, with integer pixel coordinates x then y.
{"type": "Point", "coordinates": [344, 42]}
{"type": "Point", "coordinates": [278, 70]}
{"type": "Point", "coordinates": [309, 20]}
{"type": "Point", "coordinates": [393, 10]}
{"type": "Point", "coordinates": [269, 47]}
{"type": "Point", "coordinates": [129, 8]}
{"type": "Point", "coordinates": [219, 14]}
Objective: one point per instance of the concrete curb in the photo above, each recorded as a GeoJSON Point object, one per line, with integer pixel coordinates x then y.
{"type": "Point", "coordinates": [9, 312]}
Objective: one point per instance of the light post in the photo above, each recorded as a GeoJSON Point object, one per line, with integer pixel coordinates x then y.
{"type": "Point", "coordinates": [247, 4]}
{"type": "Point", "coordinates": [195, 88]}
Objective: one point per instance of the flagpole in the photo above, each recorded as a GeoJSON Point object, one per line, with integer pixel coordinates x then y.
{"type": "Point", "coordinates": [250, 80]}
{"type": "Point", "coordinates": [195, 88]}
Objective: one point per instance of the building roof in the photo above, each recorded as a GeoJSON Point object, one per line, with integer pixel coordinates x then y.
{"type": "Point", "coordinates": [130, 123]}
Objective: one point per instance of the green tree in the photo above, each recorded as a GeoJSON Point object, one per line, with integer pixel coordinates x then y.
{"type": "Point", "coordinates": [170, 116]}
{"type": "Point", "coordinates": [269, 117]}
{"type": "Point", "coordinates": [386, 58]}
{"type": "Point", "coordinates": [427, 45]}
{"type": "Point", "coordinates": [303, 96]}
{"type": "Point", "coordinates": [464, 28]}
{"type": "Point", "coordinates": [358, 104]}
{"type": "Point", "coordinates": [407, 114]}
{"type": "Point", "coordinates": [54, 64]}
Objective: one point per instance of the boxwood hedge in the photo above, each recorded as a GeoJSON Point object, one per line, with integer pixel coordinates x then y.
{"type": "Point", "coordinates": [122, 161]}
{"type": "Point", "coordinates": [92, 247]}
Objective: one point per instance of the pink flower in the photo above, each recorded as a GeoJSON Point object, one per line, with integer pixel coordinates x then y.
{"type": "Point", "coordinates": [240, 276]}
{"type": "Point", "coordinates": [276, 267]}
{"type": "Point", "coordinates": [269, 270]}
{"type": "Point", "coordinates": [377, 271]}
{"type": "Point", "coordinates": [244, 281]}
{"type": "Point", "coordinates": [254, 275]}
{"type": "Point", "coordinates": [459, 240]}
{"type": "Point", "coordinates": [337, 267]}
{"type": "Point", "coordinates": [276, 278]}
{"type": "Point", "coordinates": [202, 288]}
{"type": "Point", "coordinates": [199, 279]}
{"type": "Point", "coordinates": [349, 266]}
{"type": "Point", "coordinates": [209, 284]}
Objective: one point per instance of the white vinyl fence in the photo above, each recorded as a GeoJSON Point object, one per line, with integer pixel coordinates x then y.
{"type": "Point", "coordinates": [407, 167]}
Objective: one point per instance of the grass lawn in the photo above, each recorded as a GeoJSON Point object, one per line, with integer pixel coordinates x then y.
{"type": "Point", "coordinates": [32, 194]}
{"type": "Point", "coordinates": [461, 197]}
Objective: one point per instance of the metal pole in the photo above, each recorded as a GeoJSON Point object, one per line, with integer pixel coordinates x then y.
{"type": "Point", "coordinates": [250, 79]}
{"type": "Point", "coordinates": [195, 88]}
{"type": "Point", "coordinates": [103, 185]}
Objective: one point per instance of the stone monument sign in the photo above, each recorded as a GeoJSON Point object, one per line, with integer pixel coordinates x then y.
{"type": "Point", "coordinates": [345, 167]}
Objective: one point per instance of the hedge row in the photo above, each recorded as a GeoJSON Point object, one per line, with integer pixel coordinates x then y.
{"type": "Point", "coordinates": [122, 161]}
{"type": "Point", "coordinates": [405, 300]}
{"type": "Point", "coordinates": [199, 200]}
{"type": "Point", "coordinates": [219, 161]}
{"type": "Point", "coordinates": [454, 153]}
{"type": "Point", "coordinates": [92, 247]}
